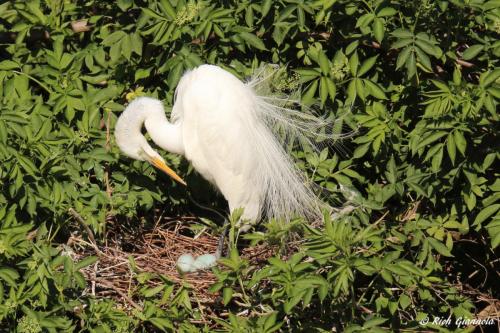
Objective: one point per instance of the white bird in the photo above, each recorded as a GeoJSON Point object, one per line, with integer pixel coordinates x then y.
{"type": "Point", "coordinates": [233, 136]}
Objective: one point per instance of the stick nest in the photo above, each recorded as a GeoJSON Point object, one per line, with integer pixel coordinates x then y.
{"type": "Point", "coordinates": [154, 251]}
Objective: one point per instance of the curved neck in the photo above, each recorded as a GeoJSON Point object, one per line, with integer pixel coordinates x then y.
{"type": "Point", "coordinates": [166, 135]}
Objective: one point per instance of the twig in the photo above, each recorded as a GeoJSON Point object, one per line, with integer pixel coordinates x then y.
{"type": "Point", "coordinates": [119, 292]}
{"type": "Point", "coordinates": [34, 80]}
{"type": "Point", "coordinates": [107, 172]}
{"type": "Point", "coordinates": [109, 189]}
{"type": "Point", "coordinates": [381, 218]}
{"type": "Point", "coordinates": [474, 273]}
{"type": "Point", "coordinates": [464, 63]}
{"type": "Point", "coordinates": [80, 219]}
{"type": "Point", "coordinates": [93, 280]}
{"type": "Point", "coordinates": [155, 253]}
{"type": "Point", "coordinates": [90, 234]}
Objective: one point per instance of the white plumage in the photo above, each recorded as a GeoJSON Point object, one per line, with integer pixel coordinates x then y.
{"type": "Point", "coordinates": [233, 137]}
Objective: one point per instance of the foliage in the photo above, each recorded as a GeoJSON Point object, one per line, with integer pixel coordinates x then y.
{"type": "Point", "coordinates": [423, 81]}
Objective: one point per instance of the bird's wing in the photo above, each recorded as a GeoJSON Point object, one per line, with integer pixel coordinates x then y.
{"type": "Point", "coordinates": [218, 129]}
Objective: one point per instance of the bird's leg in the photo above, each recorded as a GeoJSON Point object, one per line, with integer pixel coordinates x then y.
{"type": "Point", "coordinates": [220, 246]}
{"type": "Point", "coordinates": [186, 263]}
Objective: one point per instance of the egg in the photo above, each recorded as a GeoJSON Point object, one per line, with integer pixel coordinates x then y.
{"type": "Point", "coordinates": [185, 263]}
{"type": "Point", "coordinates": [205, 261]}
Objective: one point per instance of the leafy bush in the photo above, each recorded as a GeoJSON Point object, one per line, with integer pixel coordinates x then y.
{"type": "Point", "coordinates": [422, 77]}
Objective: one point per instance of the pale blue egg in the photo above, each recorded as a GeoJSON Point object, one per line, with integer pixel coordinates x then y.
{"type": "Point", "coordinates": [185, 263]}
{"type": "Point", "coordinates": [205, 261]}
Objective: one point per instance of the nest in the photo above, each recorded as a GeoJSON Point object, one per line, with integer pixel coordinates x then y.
{"type": "Point", "coordinates": [154, 251]}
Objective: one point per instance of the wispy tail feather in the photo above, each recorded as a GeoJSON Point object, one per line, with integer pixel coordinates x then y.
{"type": "Point", "coordinates": [284, 113]}
{"type": "Point", "coordinates": [289, 193]}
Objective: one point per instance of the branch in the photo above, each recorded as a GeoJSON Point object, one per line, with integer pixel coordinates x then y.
{"type": "Point", "coordinates": [119, 292]}
{"type": "Point", "coordinates": [464, 63]}
{"type": "Point", "coordinates": [80, 219]}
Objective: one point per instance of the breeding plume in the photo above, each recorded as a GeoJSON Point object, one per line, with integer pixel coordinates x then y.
{"type": "Point", "coordinates": [235, 135]}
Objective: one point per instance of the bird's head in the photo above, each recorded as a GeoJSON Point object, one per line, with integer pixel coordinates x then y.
{"type": "Point", "coordinates": [132, 142]}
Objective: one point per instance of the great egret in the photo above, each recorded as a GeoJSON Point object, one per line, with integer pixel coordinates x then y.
{"type": "Point", "coordinates": [233, 136]}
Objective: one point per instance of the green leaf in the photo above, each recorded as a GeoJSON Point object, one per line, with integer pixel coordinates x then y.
{"type": "Point", "coordinates": [351, 47]}
{"type": "Point", "coordinates": [411, 65]}
{"type": "Point", "coordinates": [324, 63]}
{"type": "Point", "coordinates": [403, 56]}
{"type": "Point", "coordinates": [439, 247]}
{"type": "Point", "coordinates": [27, 165]}
{"type": "Point", "coordinates": [307, 74]}
{"type": "Point", "coordinates": [308, 97]}
{"type": "Point", "coordinates": [436, 159]}
{"type": "Point", "coordinates": [351, 91]}
{"type": "Point", "coordinates": [495, 241]}
{"type": "Point", "coordinates": [460, 142]}
{"type": "Point", "coordinates": [354, 63]}
{"type": "Point", "coordinates": [153, 14]}
{"type": "Point", "coordinates": [425, 46]}
{"type": "Point", "coordinates": [391, 171]}
{"type": "Point", "coordinates": [360, 88]}
{"type": "Point", "coordinates": [253, 40]}
{"type": "Point", "coordinates": [332, 90]}
{"type": "Point", "coordinates": [400, 43]}
{"type": "Point", "coordinates": [227, 294]}
{"type": "Point", "coordinates": [361, 150]}
{"type": "Point", "coordinates": [114, 38]}
{"type": "Point", "coordinates": [430, 138]}
{"type": "Point", "coordinates": [423, 59]}
{"type": "Point", "coordinates": [9, 275]}
{"type": "Point", "coordinates": [404, 301]}
{"type": "Point", "coordinates": [167, 9]}
{"type": "Point", "coordinates": [451, 148]}
{"type": "Point", "coordinates": [87, 261]}
{"type": "Point", "coordinates": [374, 89]}
{"type": "Point", "coordinates": [265, 7]}
{"type": "Point", "coordinates": [402, 33]}
{"type": "Point", "coordinates": [367, 65]}
{"type": "Point", "coordinates": [489, 77]}
{"type": "Point", "coordinates": [364, 20]}
{"type": "Point", "coordinates": [488, 160]}
{"type": "Point", "coordinates": [142, 73]}
{"type": "Point", "coordinates": [485, 213]}
{"type": "Point", "coordinates": [323, 90]}
{"type": "Point", "coordinates": [378, 29]}
{"type": "Point", "coordinates": [292, 302]}
{"type": "Point", "coordinates": [386, 12]}
{"type": "Point", "coordinates": [124, 4]}
{"type": "Point", "coordinates": [374, 322]}
{"type": "Point", "coordinates": [8, 65]}
{"type": "Point", "coordinates": [162, 323]}
{"type": "Point", "coordinates": [472, 51]}
{"type": "Point", "coordinates": [278, 263]}
{"type": "Point", "coordinates": [153, 291]}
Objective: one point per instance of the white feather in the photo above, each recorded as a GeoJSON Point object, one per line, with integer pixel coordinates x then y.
{"type": "Point", "coordinates": [231, 136]}
{"type": "Point", "coordinates": [234, 134]}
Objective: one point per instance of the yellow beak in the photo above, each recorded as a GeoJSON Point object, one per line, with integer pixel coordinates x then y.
{"type": "Point", "coordinates": [163, 167]}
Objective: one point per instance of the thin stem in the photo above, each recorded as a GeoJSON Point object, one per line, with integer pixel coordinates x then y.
{"type": "Point", "coordinates": [35, 80]}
